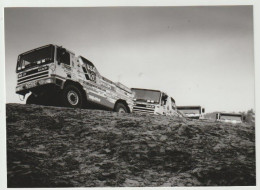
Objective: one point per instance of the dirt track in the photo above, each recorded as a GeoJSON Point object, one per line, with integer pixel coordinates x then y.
{"type": "Point", "coordinates": [61, 147]}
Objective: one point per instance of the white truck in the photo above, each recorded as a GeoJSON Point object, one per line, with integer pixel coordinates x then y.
{"type": "Point", "coordinates": [54, 75]}
{"type": "Point", "coordinates": [153, 102]}
{"type": "Point", "coordinates": [193, 112]}
{"type": "Point", "coordinates": [230, 118]}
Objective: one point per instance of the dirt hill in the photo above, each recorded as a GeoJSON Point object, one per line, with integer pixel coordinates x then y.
{"type": "Point", "coordinates": [63, 147]}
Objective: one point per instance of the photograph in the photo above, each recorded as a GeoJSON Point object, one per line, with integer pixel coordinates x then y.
{"type": "Point", "coordinates": [130, 96]}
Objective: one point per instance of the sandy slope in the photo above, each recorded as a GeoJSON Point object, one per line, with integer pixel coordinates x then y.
{"type": "Point", "coordinates": [58, 147]}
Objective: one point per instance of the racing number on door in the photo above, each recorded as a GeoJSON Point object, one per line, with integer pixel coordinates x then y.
{"type": "Point", "coordinates": [90, 72]}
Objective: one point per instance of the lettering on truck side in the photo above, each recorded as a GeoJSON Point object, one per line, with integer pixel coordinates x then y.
{"type": "Point", "coordinates": [94, 98]}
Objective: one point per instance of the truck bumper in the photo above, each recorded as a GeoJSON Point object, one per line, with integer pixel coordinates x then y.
{"type": "Point", "coordinates": [30, 85]}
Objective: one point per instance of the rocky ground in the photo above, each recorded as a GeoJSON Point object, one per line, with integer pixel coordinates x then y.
{"type": "Point", "coordinates": [63, 147]}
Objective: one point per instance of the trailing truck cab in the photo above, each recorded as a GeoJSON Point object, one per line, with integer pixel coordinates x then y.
{"type": "Point", "coordinates": [193, 112]}
{"type": "Point", "coordinates": [230, 118]}
{"type": "Point", "coordinates": [153, 102]}
{"type": "Point", "coordinates": [55, 75]}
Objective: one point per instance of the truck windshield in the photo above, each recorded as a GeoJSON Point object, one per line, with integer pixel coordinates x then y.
{"type": "Point", "coordinates": [190, 110]}
{"type": "Point", "coordinates": [229, 117]}
{"type": "Point", "coordinates": [39, 56]}
{"type": "Point", "coordinates": [147, 95]}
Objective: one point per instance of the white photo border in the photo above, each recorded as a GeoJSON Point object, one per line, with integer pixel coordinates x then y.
{"type": "Point", "coordinates": [112, 3]}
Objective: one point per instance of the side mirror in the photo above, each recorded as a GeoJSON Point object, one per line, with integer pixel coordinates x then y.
{"type": "Point", "coordinates": [203, 110]}
{"type": "Point", "coordinates": [244, 117]}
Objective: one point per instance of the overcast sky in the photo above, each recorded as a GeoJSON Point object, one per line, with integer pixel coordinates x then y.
{"type": "Point", "coordinates": [198, 55]}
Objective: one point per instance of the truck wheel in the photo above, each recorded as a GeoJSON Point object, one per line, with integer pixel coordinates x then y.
{"type": "Point", "coordinates": [121, 108]}
{"type": "Point", "coordinates": [73, 97]}
{"type": "Point", "coordinates": [36, 100]}
{"type": "Point", "coordinates": [31, 100]}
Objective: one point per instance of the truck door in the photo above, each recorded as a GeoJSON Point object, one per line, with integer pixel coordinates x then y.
{"type": "Point", "coordinates": [64, 66]}
{"type": "Point", "coordinates": [172, 107]}
{"type": "Point", "coordinates": [168, 106]}
{"type": "Point", "coordinates": [164, 104]}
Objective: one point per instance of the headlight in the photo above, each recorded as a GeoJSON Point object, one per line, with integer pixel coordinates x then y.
{"type": "Point", "coordinates": [45, 81]}
{"type": "Point", "coordinates": [49, 81]}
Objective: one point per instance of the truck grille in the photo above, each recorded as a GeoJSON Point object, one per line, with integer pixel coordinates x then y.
{"type": "Point", "coordinates": [137, 109]}
{"type": "Point", "coordinates": [35, 75]}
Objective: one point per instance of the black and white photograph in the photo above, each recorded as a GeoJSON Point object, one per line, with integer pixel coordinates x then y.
{"type": "Point", "coordinates": [129, 96]}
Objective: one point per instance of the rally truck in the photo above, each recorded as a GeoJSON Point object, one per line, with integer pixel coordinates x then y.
{"type": "Point", "coordinates": [230, 117]}
{"type": "Point", "coordinates": [193, 112]}
{"type": "Point", "coordinates": [54, 75]}
{"type": "Point", "coordinates": [156, 102]}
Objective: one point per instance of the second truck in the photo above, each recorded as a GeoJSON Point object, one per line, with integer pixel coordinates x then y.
{"type": "Point", "coordinates": [153, 102]}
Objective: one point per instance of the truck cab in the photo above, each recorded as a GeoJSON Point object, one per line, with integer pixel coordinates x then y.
{"type": "Point", "coordinates": [193, 112]}
{"type": "Point", "coordinates": [153, 102]}
{"type": "Point", "coordinates": [230, 118]}
{"type": "Point", "coordinates": [53, 74]}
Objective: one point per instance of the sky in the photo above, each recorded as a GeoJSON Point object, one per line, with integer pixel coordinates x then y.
{"type": "Point", "coordinates": [198, 55]}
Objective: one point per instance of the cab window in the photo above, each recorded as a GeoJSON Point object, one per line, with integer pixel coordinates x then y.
{"type": "Point", "coordinates": [173, 104]}
{"type": "Point", "coordinates": [63, 56]}
{"type": "Point", "coordinates": [164, 99]}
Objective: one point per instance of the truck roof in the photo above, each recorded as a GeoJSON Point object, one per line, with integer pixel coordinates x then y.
{"type": "Point", "coordinates": [187, 107]}
{"type": "Point", "coordinates": [35, 49]}
{"type": "Point", "coordinates": [230, 114]}
{"type": "Point", "coordinates": [145, 89]}
{"type": "Point", "coordinates": [29, 51]}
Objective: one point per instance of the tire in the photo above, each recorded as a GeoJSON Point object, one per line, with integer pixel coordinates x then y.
{"type": "Point", "coordinates": [35, 100]}
{"type": "Point", "coordinates": [32, 100]}
{"type": "Point", "coordinates": [121, 108]}
{"type": "Point", "coordinates": [73, 97]}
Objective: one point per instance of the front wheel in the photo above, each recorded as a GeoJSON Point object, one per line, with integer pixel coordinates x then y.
{"type": "Point", "coordinates": [121, 108]}
{"type": "Point", "coordinates": [73, 97]}
{"type": "Point", "coordinates": [32, 100]}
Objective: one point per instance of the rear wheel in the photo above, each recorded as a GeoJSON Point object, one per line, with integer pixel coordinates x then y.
{"type": "Point", "coordinates": [121, 108]}
{"type": "Point", "coordinates": [73, 97]}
